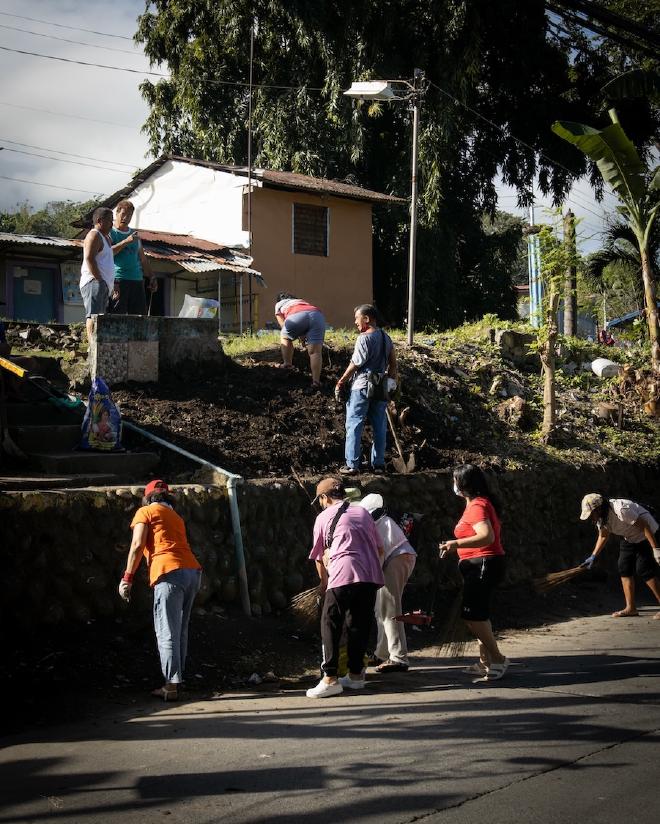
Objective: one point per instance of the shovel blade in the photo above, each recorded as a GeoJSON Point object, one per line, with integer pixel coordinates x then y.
{"type": "Point", "coordinates": [401, 466]}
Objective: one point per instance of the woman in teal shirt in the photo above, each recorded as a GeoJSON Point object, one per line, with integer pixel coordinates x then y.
{"type": "Point", "coordinates": [131, 265]}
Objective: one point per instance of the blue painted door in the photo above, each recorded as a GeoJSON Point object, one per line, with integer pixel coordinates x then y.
{"type": "Point", "coordinates": [34, 294]}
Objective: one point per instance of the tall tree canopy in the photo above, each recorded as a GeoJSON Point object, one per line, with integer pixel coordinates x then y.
{"type": "Point", "coordinates": [499, 75]}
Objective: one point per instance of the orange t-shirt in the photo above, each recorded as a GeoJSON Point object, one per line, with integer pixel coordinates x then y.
{"type": "Point", "coordinates": [167, 546]}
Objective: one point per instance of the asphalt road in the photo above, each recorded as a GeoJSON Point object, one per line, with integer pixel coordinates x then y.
{"type": "Point", "coordinates": [571, 735]}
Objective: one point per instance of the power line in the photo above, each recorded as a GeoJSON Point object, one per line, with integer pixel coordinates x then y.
{"type": "Point", "coordinates": [507, 133]}
{"type": "Point", "coordinates": [70, 154]}
{"type": "Point", "coordinates": [63, 114]}
{"type": "Point", "coordinates": [143, 72]}
{"type": "Point", "coordinates": [62, 26]}
{"type": "Point", "coordinates": [62, 160]}
{"type": "Point", "coordinates": [50, 185]}
{"type": "Point", "coordinates": [74, 42]}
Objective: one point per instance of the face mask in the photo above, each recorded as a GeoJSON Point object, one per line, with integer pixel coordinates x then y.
{"type": "Point", "coordinates": [457, 491]}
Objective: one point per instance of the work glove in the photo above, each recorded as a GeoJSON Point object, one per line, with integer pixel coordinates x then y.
{"type": "Point", "coordinates": [588, 562]}
{"type": "Point", "coordinates": [391, 385]}
{"type": "Point", "coordinates": [125, 590]}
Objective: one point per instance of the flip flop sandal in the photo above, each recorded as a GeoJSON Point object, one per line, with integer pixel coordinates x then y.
{"type": "Point", "coordinates": [392, 666]}
{"type": "Point", "coordinates": [496, 671]}
{"type": "Point", "coordinates": [165, 694]}
{"type": "Point", "coordinates": [476, 669]}
{"type": "Point", "coordinates": [621, 613]}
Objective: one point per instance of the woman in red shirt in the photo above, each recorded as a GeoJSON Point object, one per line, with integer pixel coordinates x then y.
{"type": "Point", "coordinates": [481, 562]}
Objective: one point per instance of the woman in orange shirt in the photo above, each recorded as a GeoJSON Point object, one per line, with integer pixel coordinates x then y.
{"type": "Point", "coordinates": [175, 575]}
{"type": "Point", "coordinates": [481, 563]}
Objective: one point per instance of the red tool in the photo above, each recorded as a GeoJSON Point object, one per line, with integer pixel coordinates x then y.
{"type": "Point", "coordinates": [416, 617]}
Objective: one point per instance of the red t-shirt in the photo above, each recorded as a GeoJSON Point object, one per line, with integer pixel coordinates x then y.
{"type": "Point", "coordinates": [295, 306]}
{"type": "Point", "coordinates": [477, 510]}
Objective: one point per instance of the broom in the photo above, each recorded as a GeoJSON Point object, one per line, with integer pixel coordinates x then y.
{"type": "Point", "coordinates": [305, 605]}
{"type": "Point", "coordinates": [553, 579]}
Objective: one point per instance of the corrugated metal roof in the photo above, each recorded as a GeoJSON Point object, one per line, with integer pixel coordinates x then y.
{"type": "Point", "coordinates": [185, 241]}
{"type": "Point", "coordinates": [38, 240]}
{"type": "Point", "coordinates": [281, 180]}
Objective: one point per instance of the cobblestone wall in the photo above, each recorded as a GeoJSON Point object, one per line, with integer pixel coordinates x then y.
{"type": "Point", "coordinates": [63, 553]}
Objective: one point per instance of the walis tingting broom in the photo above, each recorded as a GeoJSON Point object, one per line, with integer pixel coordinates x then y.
{"type": "Point", "coordinates": [554, 579]}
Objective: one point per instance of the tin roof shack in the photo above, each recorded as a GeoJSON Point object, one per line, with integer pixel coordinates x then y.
{"type": "Point", "coordinates": [39, 276]}
{"type": "Point", "coordinates": [310, 236]}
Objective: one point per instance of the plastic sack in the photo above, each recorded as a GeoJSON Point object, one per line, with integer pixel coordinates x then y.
{"type": "Point", "coordinates": [605, 368]}
{"type": "Point", "coordinates": [101, 426]}
{"type": "Point", "coordinates": [199, 308]}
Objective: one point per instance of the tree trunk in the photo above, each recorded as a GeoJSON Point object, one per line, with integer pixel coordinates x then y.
{"type": "Point", "coordinates": [548, 357]}
{"type": "Point", "coordinates": [570, 284]}
{"type": "Point", "coordinates": [651, 307]}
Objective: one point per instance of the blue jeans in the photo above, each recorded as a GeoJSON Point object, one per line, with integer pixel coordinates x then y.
{"type": "Point", "coordinates": [360, 408]}
{"type": "Point", "coordinates": [174, 595]}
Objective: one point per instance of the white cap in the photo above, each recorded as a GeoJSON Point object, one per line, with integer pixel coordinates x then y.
{"type": "Point", "coordinates": [372, 502]}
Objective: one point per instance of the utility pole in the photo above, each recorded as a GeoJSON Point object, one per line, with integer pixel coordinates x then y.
{"type": "Point", "coordinates": [416, 104]}
{"type": "Point", "coordinates": [570, 283]}
{"type": "Point", "coordinates": [534, 271]}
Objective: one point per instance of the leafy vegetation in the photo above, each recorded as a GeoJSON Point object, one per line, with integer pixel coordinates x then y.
{"type": "Point", "coordinates": [54, 220]}
{"type": "Point", "coordinates": [481, 115]}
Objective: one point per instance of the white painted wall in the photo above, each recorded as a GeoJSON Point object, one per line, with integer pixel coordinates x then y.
{"type": "Point", "coordinates": [193, 200]}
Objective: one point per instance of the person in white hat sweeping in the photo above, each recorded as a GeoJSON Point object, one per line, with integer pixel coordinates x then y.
{"type": "Point", "coordinates": [398, 563]}
{"type": "Point", "coordinates": [638, 550]}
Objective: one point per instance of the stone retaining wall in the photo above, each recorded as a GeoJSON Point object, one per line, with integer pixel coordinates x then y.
{"type": "Point", "coordinates": [63, 553]}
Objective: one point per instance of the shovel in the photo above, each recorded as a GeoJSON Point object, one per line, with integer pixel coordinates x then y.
{"type": "Point", "coordinates": [402, 466]}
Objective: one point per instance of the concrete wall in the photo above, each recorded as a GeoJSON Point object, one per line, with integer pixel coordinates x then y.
{"type": "Point", "coordinates": [63, 553]}
{"type": "Point", "coordinates": [137, 348]}
{"type": "Point", "coordinates": [335, 283]}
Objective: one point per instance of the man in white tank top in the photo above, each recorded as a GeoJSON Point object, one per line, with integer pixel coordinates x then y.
{"type": "Point", "coordinates": [97, 273]}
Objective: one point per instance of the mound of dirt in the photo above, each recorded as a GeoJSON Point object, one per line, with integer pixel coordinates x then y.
{"type": "Point", "coordinates": [456, 402]}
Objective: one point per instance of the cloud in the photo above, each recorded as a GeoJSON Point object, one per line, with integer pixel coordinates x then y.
{"type": "Point", "coordinates": [73, 90]}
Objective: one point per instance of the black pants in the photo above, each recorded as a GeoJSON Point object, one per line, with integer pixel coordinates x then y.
{"type": "Point", "coordinates": [132, 299]}
{"type": "Point", "coordinates": [353, 604]}
{"type": "Point", "coordinates": [637, 558]}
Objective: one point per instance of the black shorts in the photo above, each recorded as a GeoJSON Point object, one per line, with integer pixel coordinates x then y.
{"type": "Point", "coordinates": [132, 298]}
{"type": "Point", "coordinates": [637, 558]}
{"type": "Point", "coordinates": [480, 577]}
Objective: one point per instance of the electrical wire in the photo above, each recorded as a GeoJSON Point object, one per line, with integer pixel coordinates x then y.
{"type": "Point", "coordinates": [74, 42]}
{"type": "Point", "coordinates": [507, 133]}
{"type": "Point", "coordinates": [63, 114]}
{"type": "Point", "coordinates": [50, 185]}
{"type": "Point", "coordinates": [70, 154]}
{"type": "Point", "coordinates": [62, 26]}
{"type": "Point", "coordinates": [147, 72]}
{"type": "Point", "coordinates": [62, 160]}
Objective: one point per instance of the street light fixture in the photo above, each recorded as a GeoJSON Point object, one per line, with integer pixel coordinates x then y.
{"type": "Point", "coordinates": [413, 93]}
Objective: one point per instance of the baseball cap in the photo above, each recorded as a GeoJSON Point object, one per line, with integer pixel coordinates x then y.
{"type": "Point", "coordinates": [329, 485]}
{"type": "Point", "coordinates": [155, 486]}
{"type": "Point", "coordinates": [590, 502]}
{"type": "Point", "coordinates": [372, 502]}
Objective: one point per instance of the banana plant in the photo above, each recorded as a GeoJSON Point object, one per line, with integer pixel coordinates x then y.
{"type": "Point", "coordinates": [638, 192]}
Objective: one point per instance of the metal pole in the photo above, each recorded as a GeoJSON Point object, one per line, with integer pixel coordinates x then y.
{"type": "Point", "coordinates": [412, 251]}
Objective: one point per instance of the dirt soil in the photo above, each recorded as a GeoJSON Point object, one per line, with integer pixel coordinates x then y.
{"type": "Point", "coordinates": [259, 421]}
{"type": "Point", "coordinates": [71, 672]}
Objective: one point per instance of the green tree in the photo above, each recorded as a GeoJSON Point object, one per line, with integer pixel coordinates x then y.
{"type": "Point", "coordinates": [637, 190]}
{"type": "Point", "coordinates": [501, 60]}
{"type": "Point", "coordinates": [53, 220]}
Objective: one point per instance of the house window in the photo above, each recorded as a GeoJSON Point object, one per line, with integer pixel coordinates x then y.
{"type": "Point", "coordinates": [310, 230]}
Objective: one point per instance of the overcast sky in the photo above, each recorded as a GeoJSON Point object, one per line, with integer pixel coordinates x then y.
{"type": "Point", "coordinates": [57, 107]}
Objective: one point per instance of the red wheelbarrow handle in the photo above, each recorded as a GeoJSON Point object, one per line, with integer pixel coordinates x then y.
{"type": "Point", "coordinates": [416, 617]}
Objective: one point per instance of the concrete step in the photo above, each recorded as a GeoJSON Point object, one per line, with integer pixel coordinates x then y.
{"type": "Point", "coordinates": [42, 414]}
{"type": "Point", "coordinates": [131, 467]}
{"type": "Point", "coordinates": [61, 438]}
{"type": "Point", "coordinates": [28, 481]}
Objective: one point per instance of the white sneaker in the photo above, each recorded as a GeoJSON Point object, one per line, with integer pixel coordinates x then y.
{"type": "Point", "coordinates": [351, 683]}
{"type": "Point", "coordinates": [324, 690]}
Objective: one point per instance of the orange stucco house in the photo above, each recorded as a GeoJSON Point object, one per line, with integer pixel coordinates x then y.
{"type": "Point", "coordinates": [310, 237]}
